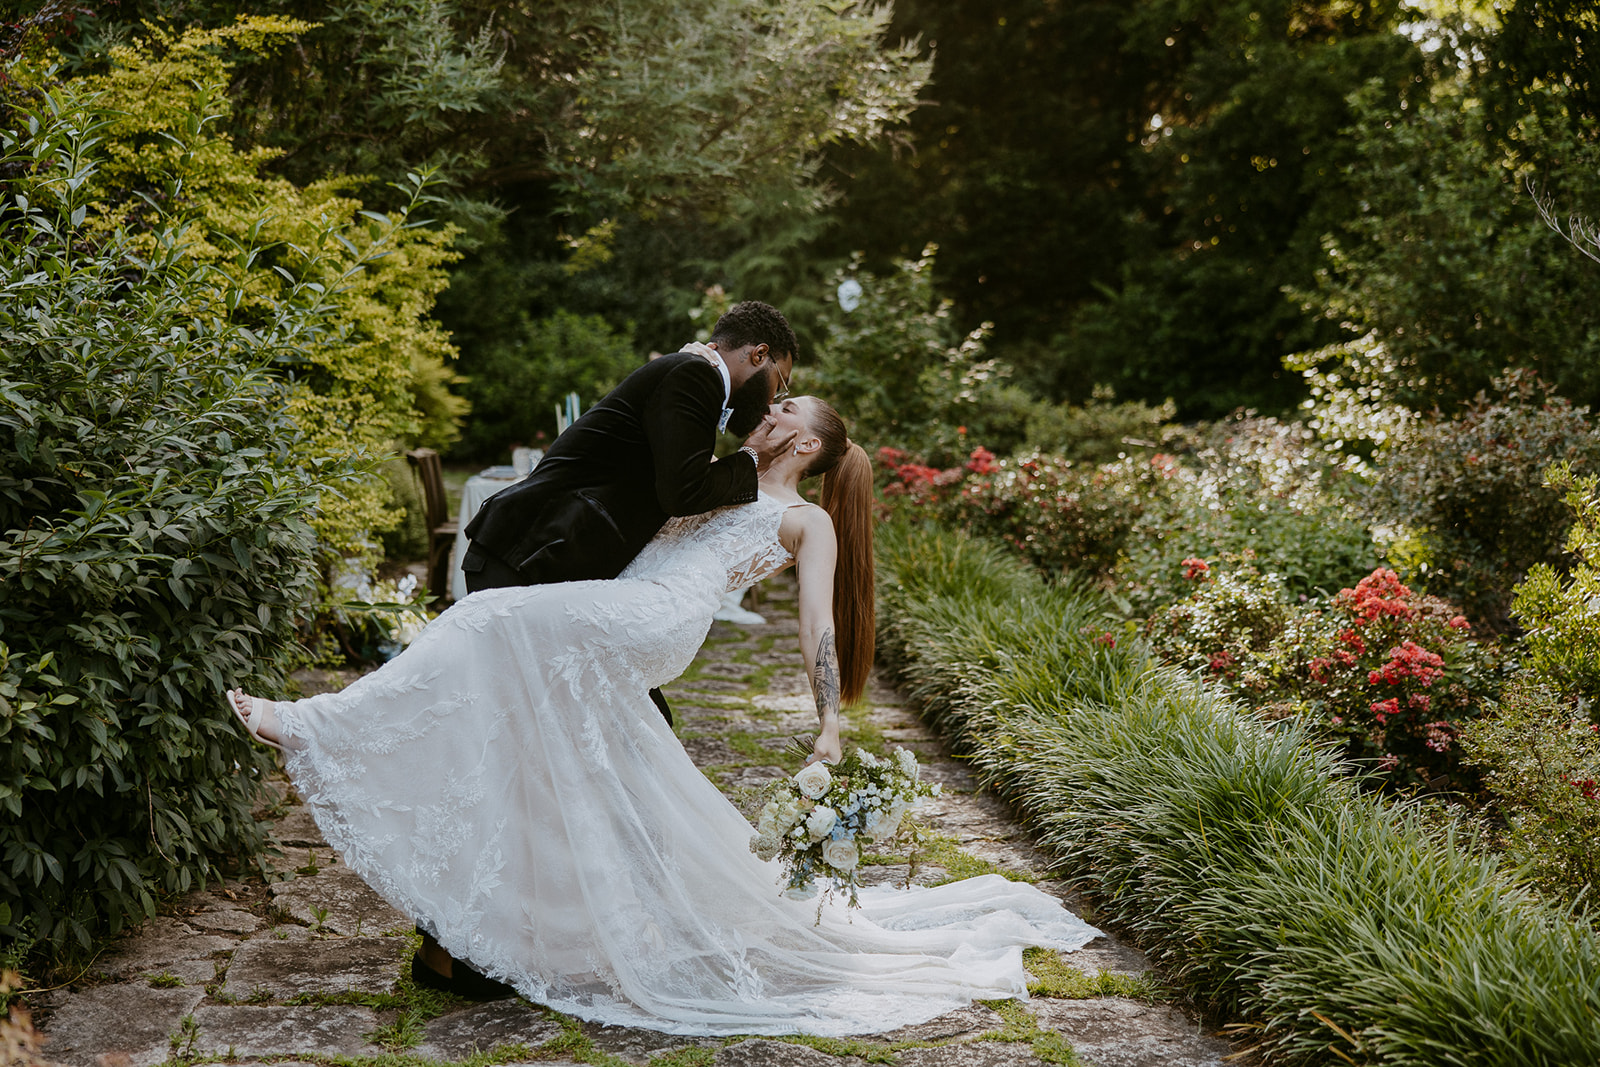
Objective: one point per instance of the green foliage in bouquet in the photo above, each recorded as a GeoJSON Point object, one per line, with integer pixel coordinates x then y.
{"type": "Point", "coordinates": [1560, 614]}
{"type": "Point", "coordinates": [1473, 487]}
{"type": "Point", "coordinates": [156, 500]}
{"type": "Point", "coordinates": [1540, 760]}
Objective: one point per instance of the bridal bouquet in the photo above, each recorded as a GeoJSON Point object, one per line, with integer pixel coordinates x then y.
{"type": "Point", "coordinates": [819, 822]}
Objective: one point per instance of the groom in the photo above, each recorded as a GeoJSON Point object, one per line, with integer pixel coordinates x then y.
{"type": "Point", "coordinates": [642, 454]}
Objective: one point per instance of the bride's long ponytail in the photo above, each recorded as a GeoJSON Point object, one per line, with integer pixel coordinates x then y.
{"type": "Point", "coordinates": [847, 498]}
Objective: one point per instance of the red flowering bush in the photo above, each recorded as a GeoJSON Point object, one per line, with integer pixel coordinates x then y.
{"type": "Point", "coordinates": [1390, 673]}
{"type": "Point", "coordinates": [1059, 514]}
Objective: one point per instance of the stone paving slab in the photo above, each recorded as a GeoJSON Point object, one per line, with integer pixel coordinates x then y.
{"type": "Point", "coordinates": [641, 1046]}
{"type": "Point", "coordinates": [1112, 1032]}
{"type": "Point", "coordinates": [482, 1027]}
{"type": "Point", "coordinates": [968, 1022]}
{"type": "Point", "coordinates": [758, 1052]}
{"type": "Point", "coordinates": [161, 944]}
{"type": "Point", "coordinates": [336, 899]}
{"type": "Point", "coordinates": [247, 1031]}
{"type": "Point", "coordinates": [130, 1019]}
{"type": "Point", "coordinates": [989, 1054]}
{"type": "Point", "coordinates": [285, 969]}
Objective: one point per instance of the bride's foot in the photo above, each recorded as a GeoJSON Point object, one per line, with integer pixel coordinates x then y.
{"type": "Point", "coordinates": [258, 717]}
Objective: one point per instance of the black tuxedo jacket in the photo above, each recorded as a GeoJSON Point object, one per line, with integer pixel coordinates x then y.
{"type": "Point", "coordinates": [609, 482]}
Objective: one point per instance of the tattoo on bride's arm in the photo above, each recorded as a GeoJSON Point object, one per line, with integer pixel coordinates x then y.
{"type": "Point", "coordinates": [826, 678]}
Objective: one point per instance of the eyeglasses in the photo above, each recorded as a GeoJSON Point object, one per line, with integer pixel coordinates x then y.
{"type": "Point", "coordinates": [783, 384]}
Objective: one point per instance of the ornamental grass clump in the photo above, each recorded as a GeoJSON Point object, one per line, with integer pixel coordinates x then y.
{"type": "Point", "coordinates": [1336, 925]}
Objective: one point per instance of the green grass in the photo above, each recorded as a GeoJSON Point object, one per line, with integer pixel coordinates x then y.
{"type": "Point", "coordinates": [1238, 852]}
{"type": "Point", "coordinates": [1051, 976]}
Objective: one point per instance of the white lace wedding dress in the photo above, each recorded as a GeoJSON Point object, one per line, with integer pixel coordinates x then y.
{"type": "Point", "coordinates": [507, 783]}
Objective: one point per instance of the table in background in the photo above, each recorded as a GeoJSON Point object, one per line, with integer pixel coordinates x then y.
{"type": "Point", "coordinates": [479, 487]}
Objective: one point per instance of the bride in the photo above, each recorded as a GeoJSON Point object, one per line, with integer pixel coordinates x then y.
{"type": "Point", "coordinates": [508, 785]}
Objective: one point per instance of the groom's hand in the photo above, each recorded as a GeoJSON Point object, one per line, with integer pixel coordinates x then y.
{"type": "Point", "coordinates": [770, 446]}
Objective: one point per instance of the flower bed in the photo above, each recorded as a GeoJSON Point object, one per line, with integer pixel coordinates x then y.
{"type": "Point", "coordinates": [1235, 849]}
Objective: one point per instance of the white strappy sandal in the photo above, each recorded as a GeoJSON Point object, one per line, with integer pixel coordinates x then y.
{"type": "Point", "coordinates": [250, 717]}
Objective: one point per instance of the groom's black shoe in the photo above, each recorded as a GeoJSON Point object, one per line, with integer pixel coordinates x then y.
{"type": "Point", "coordinates": [462, 981]}
{"type": "Point", "coordinates": [661, 705]}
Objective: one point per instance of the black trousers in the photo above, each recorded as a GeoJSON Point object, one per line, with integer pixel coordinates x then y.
{"type": "Point", "coordinates": [486, 572]}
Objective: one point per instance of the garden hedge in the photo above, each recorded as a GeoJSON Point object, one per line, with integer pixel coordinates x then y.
{"type": "Point", "coordinates": [1240, 854]}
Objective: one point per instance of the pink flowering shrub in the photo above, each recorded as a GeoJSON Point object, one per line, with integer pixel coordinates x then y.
{"type": "Point", "coordinates": [1391, 674]}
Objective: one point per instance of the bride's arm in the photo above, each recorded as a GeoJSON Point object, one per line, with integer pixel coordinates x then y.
{"type": "Point", "coordinates": [815, 553]}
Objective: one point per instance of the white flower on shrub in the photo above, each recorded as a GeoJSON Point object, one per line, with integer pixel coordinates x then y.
{"type": "Point", "coordinates": [813, 779]}
{"type": "Point", "coordinates": [820, 822]}
{"type": "Point", "coordinates": [841, 855]}
{"type": "Point", "coordinates": [908, 763]}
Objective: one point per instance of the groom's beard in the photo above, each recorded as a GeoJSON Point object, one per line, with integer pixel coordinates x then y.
{"type": "Point", "coordinates": [750, 402]}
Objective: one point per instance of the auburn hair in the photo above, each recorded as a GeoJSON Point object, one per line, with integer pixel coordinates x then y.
{"type": "Point", "coordinates": [847, 498]}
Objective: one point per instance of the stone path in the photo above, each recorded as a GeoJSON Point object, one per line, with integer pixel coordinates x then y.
{"type": "Point", "coordinates": [313, 966]}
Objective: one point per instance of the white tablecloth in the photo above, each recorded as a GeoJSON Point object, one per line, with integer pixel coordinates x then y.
{"type": "Point", "coordinates": [479, 487]}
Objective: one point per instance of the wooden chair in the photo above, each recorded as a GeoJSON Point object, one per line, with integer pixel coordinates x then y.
{"type": "Point", "coordinates": [441, 531]}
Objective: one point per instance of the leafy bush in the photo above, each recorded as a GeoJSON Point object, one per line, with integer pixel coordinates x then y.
{"type": "Point", "coordinates": [155, 544]}
{"type": "Point", "coordinates": [1234, 849]}
{"type": "Point", "coordinates": [514, 386]}
{"type": "Point", "coordinates": [1246, 485]}
{"type": "Point", "coordinates": [1561, 616]}
{"type": "Point", "coordinates": [895, 364]}
{"type": "Point", "coordinates": [1256, 486]}
{"type": "Point", "coordinates": [379, 377]}
{"type": "Point", "coordinates": [1541, 763]}
{"type": "Point", "coordinates": [1389, 674]}
{"type": "Point", "coordinates": [1473, 488]}
{"type": "Point", "coordinates": [1060, 515]}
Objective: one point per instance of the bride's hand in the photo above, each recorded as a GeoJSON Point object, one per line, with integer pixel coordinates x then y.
{"type": "Point", "coordinates": [768, 447]}
{"type": "Point", "coordinates": [827, 747]}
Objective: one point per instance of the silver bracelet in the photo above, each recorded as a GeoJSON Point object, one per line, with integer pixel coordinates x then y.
{"type": "Point", "coordinates": [754, 456]}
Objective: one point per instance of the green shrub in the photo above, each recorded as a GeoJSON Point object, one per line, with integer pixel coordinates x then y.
{"type": "Point", "coordinates": [1236, 850]}
{"type": "Point", "coordinates": [378, 378]}
{"type": "Point", "coordinates": [154, 542]}
{"type": "Point", "coordinates": [1540, 760]}
{"type": "Point", "coordinates": [1247, 485]}
{"type": "Point", "coordinates": [1473, 487]}
{"type": "Point", "coordinates": [897, 366]}
{"type": "Point", "coordinates": [515, 385]}
{"type": "Point", "coordinates": [1561, 615]}
{"type": "Point", "coordinates": [1099, 431]}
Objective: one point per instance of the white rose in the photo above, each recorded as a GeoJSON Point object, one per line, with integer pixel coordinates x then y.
{"type": "Point", "coordinates": [819, 823]}
{"type": "Point", "coordinates": [841, 855]}
{"type": "Point", "coordinates": [813, 779]}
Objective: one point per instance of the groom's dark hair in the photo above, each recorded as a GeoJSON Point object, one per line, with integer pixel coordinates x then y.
{"type": "Point", "coordinates": [750, 322]}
